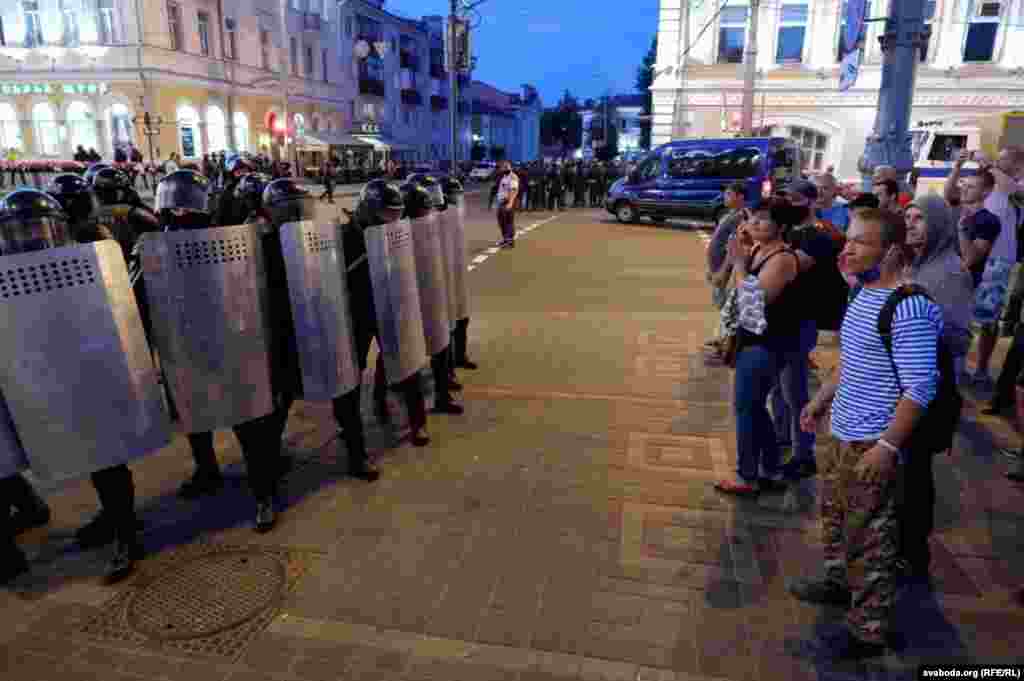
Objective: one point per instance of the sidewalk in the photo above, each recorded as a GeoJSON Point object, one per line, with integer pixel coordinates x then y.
{"type": "Point", "coordinates": [564, 528]}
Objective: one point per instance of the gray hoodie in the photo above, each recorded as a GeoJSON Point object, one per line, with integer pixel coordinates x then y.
{"type": "Point", "coordinates": [939, 270]}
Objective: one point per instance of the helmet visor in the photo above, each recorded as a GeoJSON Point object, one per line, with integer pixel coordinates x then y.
{"type": "Point", "coordinates": [175, 193]}
{"type": "Point", "coordinates": [23, 235]}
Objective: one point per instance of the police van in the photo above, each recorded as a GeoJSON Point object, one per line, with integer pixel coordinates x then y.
{"type": "Point", "coordinates": [937, 143]}
{"type": "Point", "coordinates": [688, 178]}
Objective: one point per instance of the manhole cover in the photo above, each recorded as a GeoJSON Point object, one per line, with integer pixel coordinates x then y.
{"type": "Point", "coordinates": [207, 595]}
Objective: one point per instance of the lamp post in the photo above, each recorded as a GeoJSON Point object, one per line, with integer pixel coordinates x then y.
{"type": "Point", "coordinates": [459, 61]}
{"type": "Point", "coordinates": [150, 128]}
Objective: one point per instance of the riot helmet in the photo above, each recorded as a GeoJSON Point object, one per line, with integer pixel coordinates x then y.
{"type": "Point", "coordinates": [31, 220]}
{"type": "Point", "coordinates": [111, 185]}
{"type": "Point", "coordinates": [284, 201]}
{"type": "Point", "coordinates": [418, 201]}
{"type": "Point", "coordinates": [249, 192]}
{"type": "Point", "coordinates": [91, 171]}
{"type": "Point", "coordinates": [380, 203]}
{"type": "Point", "coordinates": [433, 187]}
{"type": "Point", "coordinates": [183, 201]}
{"type": "Point", "coordinates": [75, 196]}
{"type": "Point", "coordinates": [452, 189]}
{"type": "Point", "coordinates": [237, 165]}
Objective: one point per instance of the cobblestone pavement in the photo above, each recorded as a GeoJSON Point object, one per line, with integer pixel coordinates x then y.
{"type": "Point", "coordinates": [563, 528]}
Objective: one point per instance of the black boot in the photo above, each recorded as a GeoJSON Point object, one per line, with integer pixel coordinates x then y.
{"type": "Point", "coordinates": [207, 478]}
{"type": "Point", "coordinates": [459, 338]}
{"type": "Point", "coordinates": [127, 552]}
{"type": "Point", "coordinates": [350, 423]}
{"type": "Point", "coordinates": [443, 402]}
{"type": "Point", "coordinates": [29, 508]}
{"type": "Point", "coordinates": [13, 563]}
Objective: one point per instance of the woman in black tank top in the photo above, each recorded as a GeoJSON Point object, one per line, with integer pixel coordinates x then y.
{"type": "Point", "coordinates": [763, 264]}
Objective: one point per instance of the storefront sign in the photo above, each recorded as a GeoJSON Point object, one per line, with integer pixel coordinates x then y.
{"type": "Point", "coordinates": [53, 88]}
{"type": "Point", "coordinates": [188, 142]}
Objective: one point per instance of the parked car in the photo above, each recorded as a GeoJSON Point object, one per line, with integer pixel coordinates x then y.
{"type": "Point", "coordinates": [687, 178]}
{"type": "Point", "coordinates": [483, 172]}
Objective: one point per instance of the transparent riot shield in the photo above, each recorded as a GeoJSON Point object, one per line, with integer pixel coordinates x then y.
{"type": "Point", "coordinates": [432, 279]}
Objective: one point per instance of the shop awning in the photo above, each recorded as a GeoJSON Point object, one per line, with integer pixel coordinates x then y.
{"type": "Point", "coordinates": [381, 144]}
{"type": "Point", "coordinates": [324, 139]}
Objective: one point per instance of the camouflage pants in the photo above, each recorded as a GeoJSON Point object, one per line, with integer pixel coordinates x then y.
{"type": "Point", "coordinates": [861, 536]}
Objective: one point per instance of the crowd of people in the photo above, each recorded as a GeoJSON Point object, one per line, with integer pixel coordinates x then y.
{"type": "Point", "coordinates": [908, 283]}
{"type": "Point", "coordinates": [408, 292]}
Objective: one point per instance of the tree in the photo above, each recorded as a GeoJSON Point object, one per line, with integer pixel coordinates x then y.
{"type": "Point", "coordinates": [609, 142]}
{"type": "Point", "coordinates": [478, 152]}
{"type": "Point", "coordinates": [644, 80]}
{"type": "Point", "coordinates": [562, 126]}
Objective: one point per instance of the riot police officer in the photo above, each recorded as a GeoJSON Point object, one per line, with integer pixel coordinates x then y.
{"type": "Point", "coordinates": [31, 220]}
{"type": "Point", "coordinates": [229, 210]}
{"type": "Point", "coordinates": [182, 203]}
{"type": "Point", "coordinates": [380, 203]}
{"type": "Point", "coordinates": [454, 192]}
{"type": "Point", "coordinates": [81, 205]}
{"type": "Point", "coordinates": [556, 196]}
{"type": "Point", "coordinates": [421, 201]}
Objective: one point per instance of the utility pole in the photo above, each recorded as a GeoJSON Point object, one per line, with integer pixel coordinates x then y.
{"type": "Point", "coordinates": [889, 143]}
{"type": "Point", "coordinates": [285, 65]}
{"type": "Point", "coordinates": [679, 111]}
{"type": "Point", "coordinates": [453, 83]}
{"type": "Point", "coordinates": [750, 70]}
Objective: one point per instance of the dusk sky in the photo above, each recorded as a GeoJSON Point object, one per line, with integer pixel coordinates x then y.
{"type": "Point", "coordinates": [587, 46]}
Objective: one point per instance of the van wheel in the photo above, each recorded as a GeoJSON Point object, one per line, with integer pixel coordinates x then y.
{"type": "Point", "coordinates": [625, 213]}
{"type": "Point", "coordinates": [657, 218]}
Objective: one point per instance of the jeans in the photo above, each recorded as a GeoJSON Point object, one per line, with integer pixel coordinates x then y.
{"type": "Point", "coordinates": [757, 452]}
{"type": "Point", "coordinates": [790, 396]}
{"type": "Point", "coordinates": [507, 223]}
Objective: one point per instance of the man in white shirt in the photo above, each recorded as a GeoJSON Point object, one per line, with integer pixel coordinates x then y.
{"type": "Point", "coordinates": [508, 193]}
{"type": "Point", "coordinates": [1008, 171]}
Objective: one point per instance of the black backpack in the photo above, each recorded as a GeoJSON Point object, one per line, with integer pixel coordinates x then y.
{"type": "Point", "coordinates": [934, 432]}
{"type": "Point", "coordinates": [829, 290]}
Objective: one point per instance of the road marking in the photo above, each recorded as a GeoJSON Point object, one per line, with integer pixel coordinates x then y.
{"type": "Point", "coordinates": [482, 258]}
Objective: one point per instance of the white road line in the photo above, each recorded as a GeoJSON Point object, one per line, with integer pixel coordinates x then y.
{"type": "Point", "coordinates": [492, 250]}
{"type": "Point", "coordinates": [479, 259]}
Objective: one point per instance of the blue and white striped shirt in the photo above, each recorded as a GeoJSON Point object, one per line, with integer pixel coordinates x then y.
{"type": "Point", "coordinates": [866, 400]}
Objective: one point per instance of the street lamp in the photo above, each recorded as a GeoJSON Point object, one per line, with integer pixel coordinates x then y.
{"type": "Point", "coordinates": [150, 128]}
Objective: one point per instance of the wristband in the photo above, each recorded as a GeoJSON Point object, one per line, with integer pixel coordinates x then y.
{"type": "Point", "coordinates": [888, 445]}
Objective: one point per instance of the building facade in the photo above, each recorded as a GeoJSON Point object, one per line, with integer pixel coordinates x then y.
{"type": "Point", "coordinates": [972, 65]}
{"type": "Point", "coordinates": [623, 113]}
{"type": "Point", "coordinates": [217, 75]}
{"type": "Point", "coordinates": [505, 125]}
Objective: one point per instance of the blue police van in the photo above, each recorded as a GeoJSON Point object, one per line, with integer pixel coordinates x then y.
{"type": "Point", "coordinates": [687, 178]}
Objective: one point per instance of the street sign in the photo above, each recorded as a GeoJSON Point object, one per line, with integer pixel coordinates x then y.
{"type": "Point", "coordinates": [849, 69]}
{"type": "Point", "coordinates": [853, 40]}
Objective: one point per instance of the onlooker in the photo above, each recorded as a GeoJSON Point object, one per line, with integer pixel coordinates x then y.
{"type": "Point", "coordinates": [171, 165]}
{"type": "Point", "coordinates": [819, 284]}
{"type": "Point", "coordinates": [931, 235]}
{"type": "Point", "coordinates": [829, 207]}
{"type": "Point", "coordinates": [327, 172]}
{"type": "Point", "coordinates": [508, 192]}
{"type": "Point", "coordinates": [979, 227]}
{"type": "Point", "coordinates": [871, 420]}
{"type": "Point", "coordinates": [991, 292]}
{"type": "Point", "coordinates": [885, 172]}
{"type": "Point", "coordinates": [888, 193]}
{"type": "Point", "coordinates": [718, 272]}
{"type": "Point", "coordinates": [770, 312]}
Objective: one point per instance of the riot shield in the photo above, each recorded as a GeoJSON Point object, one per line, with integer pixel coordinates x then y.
{"type": "Point", "coordinates": [75, 368]}
{"type": "Point", "coordinates": [12, 456]}
{"type": "Point", "coordinates": [315, 264]}
{"type": "Point", "coordinates": [208, 302]}
{"type": "Point", "coordinates": [453, 237]}
{"type": "Point", "coordinates": [396, 297]}
{"type": "Point", "coordinates": [431, 277]}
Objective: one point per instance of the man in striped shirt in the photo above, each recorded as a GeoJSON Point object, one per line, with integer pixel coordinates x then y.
{"type": "Point", "coordinates": [871, 419]}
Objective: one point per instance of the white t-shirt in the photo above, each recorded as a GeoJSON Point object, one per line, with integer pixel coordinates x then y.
{"type": "Point", "coordinates": [509, 185]}
{"type": "Point", "coordinates": [1006, 245]}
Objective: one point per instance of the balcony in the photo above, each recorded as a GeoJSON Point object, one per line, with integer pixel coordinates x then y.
{"type": "Point", "coordinates": [371, 86]}
{"type": "Point", "coordinates": [438, 103]}
{"type": "Point", "coordinates": [411, 97]}
{"type": "Point", "coordinates": [437, 72]}
{"type": "Point", "coordinates": [311, 22]}
{"type": "Point", "coordinates": [408, 60]}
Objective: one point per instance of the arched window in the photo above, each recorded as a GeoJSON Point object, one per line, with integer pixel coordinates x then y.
{"type": "Point", "coordinates": [241, 122]}
{"type": "Point", "coordinates": [188, 132]}
{"type": "Point", "coordinates": [119, 122]}
{"type": "Point", "coordinates": [813, 146]}
{"type": "Point", "coordinates": [44, 122]}
{"type": "Point", "coordinates": [216, 129]}
{"type": "Point", "coordinates": [10, 128]}
{"type": "Point", "coordinates": [81, 126]}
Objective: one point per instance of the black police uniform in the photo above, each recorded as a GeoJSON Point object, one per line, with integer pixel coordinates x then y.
{"type": "Point", "coordinates": [454, 191]}
{"type": "Point", "coordinates": [380, 202]}
{"type": "Point", "coordinates": [420, 201]}
{"type": "Point", "coordinates": [183, 203]}
{"type": "Point", "coordinates": [31, 220]}
{"type": "Point", "coordinates": [556, 196]}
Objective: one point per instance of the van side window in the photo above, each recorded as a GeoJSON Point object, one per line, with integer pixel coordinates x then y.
{"type": "Point", "coordinates": [738, 164]}
{"type": "Point", "coordinates": [649, 169]}
{"type": "Point", "coordinates": [945, 147]}
{"type": "Point", "coordinates": [686, 163]}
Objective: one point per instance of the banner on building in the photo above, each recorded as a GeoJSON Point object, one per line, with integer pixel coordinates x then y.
{"type": "Point", "coordinates": [852, 43]}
